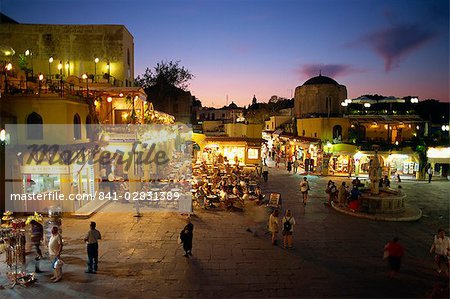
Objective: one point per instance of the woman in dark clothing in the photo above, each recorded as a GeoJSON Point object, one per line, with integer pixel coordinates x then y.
{"type": "Point", "coordinates": [186, 236]}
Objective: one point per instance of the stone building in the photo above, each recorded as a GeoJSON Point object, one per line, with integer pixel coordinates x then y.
{"type": "Point", "coordinates": [71, 50]}
{"type": "Point", "coordinates": [319, 96]}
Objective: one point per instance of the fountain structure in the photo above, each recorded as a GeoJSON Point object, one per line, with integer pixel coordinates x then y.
{"type": "Point", "coordinates": [376, 200]}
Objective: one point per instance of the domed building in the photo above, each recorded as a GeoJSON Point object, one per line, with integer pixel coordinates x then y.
{"type": "Point", "coordinates": [319, 96]}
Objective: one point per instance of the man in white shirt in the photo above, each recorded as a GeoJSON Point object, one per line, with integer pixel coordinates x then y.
{"type": "Point", "coordinates": [441, 248]}
{"type": "Point", "coordinates": [430, 173]}
{"type": "Point", "coordinates": [55, 245]}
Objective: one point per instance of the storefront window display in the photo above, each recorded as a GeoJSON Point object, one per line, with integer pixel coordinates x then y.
{"type": "Point", "coordinates": [340, 164]}
{"type": "Point", "coordinates": [401, 164]}
{"type": "Point", "coordinates": [40, 183]}
{"type": "Point", "coordinates": [252, 153]}
{"type": "Point", "coordinates": [231, 152]}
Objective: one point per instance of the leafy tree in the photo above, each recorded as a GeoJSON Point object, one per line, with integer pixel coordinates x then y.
{"type": "Point", "coordinates": [165, 74]}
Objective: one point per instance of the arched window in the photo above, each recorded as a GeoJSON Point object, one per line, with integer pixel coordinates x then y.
{"type": "Point", "coordinates": [34, 126]}
{"type": "Point", "coordinates": [76, 126]}
{"type": "Point", "coordinates": [88, 127]}
{"type": "Point", "coordinates": [337, 132]}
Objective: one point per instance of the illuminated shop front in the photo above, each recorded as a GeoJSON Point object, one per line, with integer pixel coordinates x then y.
{"type": "Point", "coordinates": [340, 164]}
{"type": "Point", "coordinates": [391, 163]}
{"type": "Point", "coordinates": [340, 158]}
{"type": "Point", "coordinates": [439, 159]}
{"type": "Point", "coordinates": [73, 180]}
{"type": "Point", "coordinates": [402, 164]}
{"type": "Point", "coordinates": [244, 150]}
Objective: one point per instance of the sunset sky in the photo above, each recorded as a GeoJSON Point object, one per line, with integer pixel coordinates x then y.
{"type": "Point", "coordinates": [242, 48]}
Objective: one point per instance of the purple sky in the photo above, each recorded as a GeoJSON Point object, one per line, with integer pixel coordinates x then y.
{"type": "Point", "coordinates": [242, 48]}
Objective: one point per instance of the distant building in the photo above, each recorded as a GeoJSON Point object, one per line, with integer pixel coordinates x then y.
{"type": "Point", "coordinates": [230, 113]}
{"type": "Point", "coordinates": [319, 96]}
{"type": "Point", "coordinates": [76, 47]}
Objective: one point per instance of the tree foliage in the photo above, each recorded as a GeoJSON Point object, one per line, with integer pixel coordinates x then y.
{"type": "Point", "coordinates": [165, 74]}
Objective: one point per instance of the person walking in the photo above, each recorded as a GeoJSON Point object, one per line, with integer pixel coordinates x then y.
{"type": "Point", "coordinates": [265, 172]}
{"type": "Point", "coordinates": [296, 164]}
{"type": "Point", "coordinates": [186, 236]}
{"type": "Point", "coordinates": [289, 166]}
{"type": "Point", "coordinates": [441, 248]}
{"type": "Point", "coordinates": [304, 188]}
{"type": "Point", "coordinates": [91, 239]}
{"type": "Point", "coordinates": [288, 228]}
{"type": "Point", "coordinates": [55, 245]}
{"type": "Point", "coordinates": [273, 226]}
{"type": "Point", "coordinates": [430, 173]}
{"type": "Point", "coordinates": [277, 160]}
{"type": "Point", "coordinates": [395, 252]}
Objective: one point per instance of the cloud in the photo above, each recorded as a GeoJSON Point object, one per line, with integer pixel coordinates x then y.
{"type": "Point", "coordinates": [397, 41]}
{"type": "Point", "coordinates": [330, 70]}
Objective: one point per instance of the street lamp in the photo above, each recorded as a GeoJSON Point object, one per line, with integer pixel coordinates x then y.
{"type": "Point", "coordinates": [40, 77]}
{"type": "Point", "coordinates": [60, 67]}
{"type": "Point", "coordinates": [8, 67]}
{"type": "Point", "coordinates": [367, 105]}
{"type": "Point", "coordinates": [68, 68]}
{"type": "Point", "coordinates": [108, 67]}
{"type": "Point", "coordinates": [445, 128]}
{"type": "Point", "coordinates": [95, 68]}
{"type": "Point", "coordinates": [414, 100]}
{"type": "Point", "coordinates": [50, 60]}
{"type": "Point", "coordinates": [29, 53]}
{"type": "Point", "coordinates": [85, 76]}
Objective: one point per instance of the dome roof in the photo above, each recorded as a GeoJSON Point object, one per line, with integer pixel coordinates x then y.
{"type": "Point", "coordinates": [320, 80]}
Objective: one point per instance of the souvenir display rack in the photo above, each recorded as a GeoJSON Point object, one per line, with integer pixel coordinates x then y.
{"type": "Point", "coordinates": [12, 242]}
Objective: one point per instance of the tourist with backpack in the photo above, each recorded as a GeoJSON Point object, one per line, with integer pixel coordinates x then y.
{"type": "Point", "coordinates": [288, 227]}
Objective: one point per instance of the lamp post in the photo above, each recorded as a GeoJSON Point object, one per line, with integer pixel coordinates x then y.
{"type": "Point", "coordinates": [40, 77]}
{"type": "Point", "coordinates": [68, 68]}
{"type": "Point", "coordinates": [29, 53]}
{"type": "Point", "coordinates": [95, 68]}
{"type": "Point", "coordinates": [108, 67]}
{"type": "Point", "coordinates": [85, 76]}
{"type": "Point", "coordinates": [50, 60]}
{"type": "Point", "coordinates": [60, 67]}
{"type": "Point", "coordinates": [8, 67]}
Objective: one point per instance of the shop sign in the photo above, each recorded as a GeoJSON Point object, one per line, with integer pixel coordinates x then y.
{"type": "Point", "coordinates": [44, 169]}
{"type": "Point", "coordinates": [123, 137]}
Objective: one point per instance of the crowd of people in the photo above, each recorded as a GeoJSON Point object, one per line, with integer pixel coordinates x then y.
{"type": "Point", "coordinates": [223, 184]}
{"type": "Point", "coordinates": [344, 196]}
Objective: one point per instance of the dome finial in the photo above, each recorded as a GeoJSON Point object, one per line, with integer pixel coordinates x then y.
{"type": "Point", "coordinates": [320, 73]}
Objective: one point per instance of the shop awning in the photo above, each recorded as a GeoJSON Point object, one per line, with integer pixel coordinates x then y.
{"type": "Point", "coordinates": [344, 148]}
{"type": "Point", "coordinates": [199, 139]}
{"type": "Point", "coordinates": [439, 155]}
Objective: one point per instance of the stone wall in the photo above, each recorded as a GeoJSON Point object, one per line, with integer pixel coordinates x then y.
{"type": "Point", "coordinates": [312, 99]}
